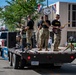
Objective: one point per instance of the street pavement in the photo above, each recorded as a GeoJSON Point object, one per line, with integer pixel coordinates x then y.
{"type": "Point", "coordinates": [66, 69]}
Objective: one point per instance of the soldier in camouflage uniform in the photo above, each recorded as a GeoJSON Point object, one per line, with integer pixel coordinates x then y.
{"type": "Point", "coordinates": [56, 29]}
{"type": "Point", "coordinates": [38, 33]}
{"type": "Point", "coordinates": [29, 32]}
{"type": "Point", "coordinates": [44, 33]}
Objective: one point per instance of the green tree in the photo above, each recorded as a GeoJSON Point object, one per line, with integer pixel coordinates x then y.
{"type": "Point", "coordinates": [16, 10]}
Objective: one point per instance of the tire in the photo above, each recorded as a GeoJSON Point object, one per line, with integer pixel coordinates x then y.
{"type": "Point", "coordinates": [22, 63]}
{"type": "Point", "coordinates": [15, 61]}
{"type": "Point", "coordinates": [10, 59]}
{"type": "Point", "coordinates": [1, 52]}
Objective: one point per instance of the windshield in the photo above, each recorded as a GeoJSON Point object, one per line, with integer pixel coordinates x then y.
{"type": "Point", "coordinates": [3, 36]}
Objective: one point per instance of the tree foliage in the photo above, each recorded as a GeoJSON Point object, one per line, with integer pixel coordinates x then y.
{"type": "Point", "coordinates": [16, 10]}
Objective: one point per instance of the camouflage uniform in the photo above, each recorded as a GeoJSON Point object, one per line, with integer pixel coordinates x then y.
{"type": "Point", "coordinates": [28, 36]}
{"type": "Point", "coordinates": [29, 32]}
{"type": "Point", "coordinates": [39, 31]}
{"type": "Point", "coordinates": [57, 40]}
{"type": "Point", "coordinates": [38, 37]}
{"type": "Point", "coordinates": [44, 33]}
{"type": "Point", "coordinates": [56, 25]}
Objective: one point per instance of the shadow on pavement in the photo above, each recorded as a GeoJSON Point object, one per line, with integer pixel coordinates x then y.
{"type": "Point", "coordinates": [67, 69]}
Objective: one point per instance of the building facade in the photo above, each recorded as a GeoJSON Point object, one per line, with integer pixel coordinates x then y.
{"type": "Point", "coordinates": [67, 13]}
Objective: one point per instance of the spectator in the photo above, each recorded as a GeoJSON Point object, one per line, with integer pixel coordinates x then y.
{"type": "Point", "coordinates": [49, 42]}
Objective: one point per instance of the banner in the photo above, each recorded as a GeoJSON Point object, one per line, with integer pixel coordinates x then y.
{"type": "Point", "coordinates": [39, 7]}
{"type": "Point", "coordinates": [54, 8]}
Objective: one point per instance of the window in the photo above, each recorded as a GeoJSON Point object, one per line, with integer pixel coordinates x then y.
{"type": "Point", "coordinates": [72, 15]}
{"type": "Point", "coordinates": [74, 7]}
{"type": "Point", "coordinates": [73, 24]}
{"type": "Point", "coordinates": [3, 36]}
{"type": "Point", "coordinates": [69, 18]}
{"type": "Point", "coordinates": [69, 7]}
{"type": "Point", "coordinates": [69, 14]}
{"type": "Point", "coordinates": [73, 34]}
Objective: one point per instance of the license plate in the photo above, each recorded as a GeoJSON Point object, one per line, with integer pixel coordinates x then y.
{"type": "Point", "coordinates": [34, 62]}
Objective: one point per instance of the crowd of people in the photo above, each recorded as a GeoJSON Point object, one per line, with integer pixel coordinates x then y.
{"type": "Point", "coordinates": [43, 37]}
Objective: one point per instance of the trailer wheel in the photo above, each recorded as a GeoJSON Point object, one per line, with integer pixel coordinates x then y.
{"type": "Point", "coordinates": [10, 58]}
{"type": "Point", "coordinates": [22, 63]}
{"type": "Point", "coordinates": [15, 61]}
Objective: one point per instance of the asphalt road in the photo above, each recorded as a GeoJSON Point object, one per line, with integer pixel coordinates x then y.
{"type": "Point", "coordinates": [66, 69]}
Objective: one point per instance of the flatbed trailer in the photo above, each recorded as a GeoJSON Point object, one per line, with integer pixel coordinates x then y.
{"type": "Point", "coordinates": [20, 59]}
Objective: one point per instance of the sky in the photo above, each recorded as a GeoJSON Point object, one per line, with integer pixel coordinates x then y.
{"type": "Point", "coordinates": [3, 2]}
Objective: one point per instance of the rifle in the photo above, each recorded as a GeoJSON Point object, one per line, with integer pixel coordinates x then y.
{"type": "Point", "coordinates": [58, 29]}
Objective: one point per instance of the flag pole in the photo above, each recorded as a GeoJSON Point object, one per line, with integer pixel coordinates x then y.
{"type": "Point", "coordinates": [47, 3]}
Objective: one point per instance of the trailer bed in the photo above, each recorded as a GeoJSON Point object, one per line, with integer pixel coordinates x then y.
{"type": "Point", "coordinates": [35, 51]}
{"type": "Point", "coordinates": [35, 57]}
